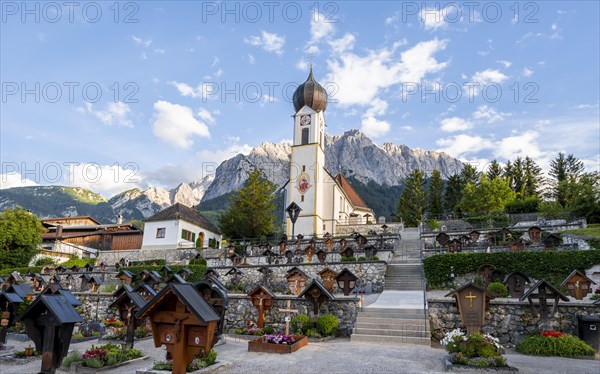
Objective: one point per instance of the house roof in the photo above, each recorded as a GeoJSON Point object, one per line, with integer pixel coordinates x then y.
{"type": "Point", "coordinates": [65, 220]}
{"type": "Point", "coordinates": [56, 305]}
{"type": "Point", "coordinates": [180, 211]}
{"type": "Point", "coordinates": [353, 196]}
{"type": "Point", "coordinates": [188, 296]}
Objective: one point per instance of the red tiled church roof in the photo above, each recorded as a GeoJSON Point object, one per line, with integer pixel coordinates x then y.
{"type": "Point", "coordinates": [354, 197]}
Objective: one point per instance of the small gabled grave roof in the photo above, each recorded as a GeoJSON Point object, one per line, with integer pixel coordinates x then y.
{"type": "Point", "coordinates": [89, 266]}
{"type": "Point", "coordinates": [175, 278]}
{"type": "Point", "coordinates": [96, 280]}
{"type": "Point", "coordinates": [184, 271]}
{"type": "Point", "coordinates": [188, 296]}
{"type": "Point", "coordinates": [69, 297]}
{"type": "Point", "coordinates": [216, 281]}
{"type": "Point", "coordinates": [580, 274]}
{"type": "Point", "coordinates": [346, 271]}
{"type": "Point", "coordinates": [166, 268]}
{"type": "Point", "coordinates": [56, 305]}
{"type": "Point", "coordinates": [234, 270]}
{"type": "Point", "coordinates": [135, 297]}
{"type": "Point", "coordinates": [295, 270]}
{"type": "Point", "coordinates": [260, 288]}
{"type": "Point", "coordinates": [123, 288]}
{"type": "Point", "coordinates": [145, 287]}
{"type": "Point", "coordinates": [23, 290]}
{"type": "Point", "coordinates": [212, 272]}
{"type": "Point", "coordinates": [534, 288]}
{"type": "Point", "coordinates": [316, 283]}
{"type": "Point", "coordinates": [75, 267]}
{"type": "Point", "coordinates": [514, 273]}
{"type": "Point", "coordinates": [60, 268]}
{"type": "Point", "coordinates": [327, 270]}
{"type": "Point", "coordinates": [126, 273]}
{"type": "Point", "coordinates": [469, 284]}
{"type": "Point", "coordinates": [10, 297]}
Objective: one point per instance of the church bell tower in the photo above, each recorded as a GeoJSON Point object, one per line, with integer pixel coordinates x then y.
{"type": "Point", "coordinates": [307, 172]}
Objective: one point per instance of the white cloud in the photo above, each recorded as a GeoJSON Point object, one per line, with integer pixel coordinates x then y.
{"type": "Point", "coordinates": [270, 42]}
{"type": "Point", "coordinates": [361, 78]}
{"type": "Point", "coordinates": [205, 90]}
{"type": "Point", "coordinates": [586, 106]}
{"type": "Point", "coordinates": [160, 51]}
{"type": "Point", "coordinates": [302, 65]}
{"type": "Point", "coordinates": [176, 125]}
{"type": "Point", "coordinates": [143, 56]}
{"type": "Point", "coordinates": [251, 59]}
{"type": "Point", "coordinates": [520, 145]}
{"type": "Point", "coordinates": [527, 72]}
{"type": "Point", "coordinates": [320, 27]}
{"type": "Point", "coordinates": [489, 76]}
{"type": "Point", "coordinates": [433, 18]}
{"type": "Point", "coordinates": [215, 62]}
{"type": "Point", "coordinates": [206, 116]}
{"type": "Point", "coordinates": [343, 44]}
{"type": "Point", "coordinates": [490, 115]}
{"type": "Point", "coordinates": [139, 41]}
{"type": "Point", "coordinates": [407, 128]}
{"type": "Point", "coordinates": [392, 19]}
{"type": "Point", "coordinates": [378, 108]}
{"type": "Point", "coordinates": [506, 64]}
{"type": "Point", "coordinates": [114, 114]}
{"type": "Point", "coordinates": [221, 155]}
{"type": "Point", "coordinates": [454, 124]}
{"type": "Point", "coordinates": [268, 99]}
{"type": "Point", "coordinates": [462, 144]}
{"type": "Point", "coordinates": [10, 180]}
{"type": "Point", "coordinates": [373, 127]}
{"type": "Point", "coordinates": [107, 180]}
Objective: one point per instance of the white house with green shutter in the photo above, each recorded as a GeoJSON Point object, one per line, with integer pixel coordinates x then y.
{"type": "Point", "coordinates": [179, 226]}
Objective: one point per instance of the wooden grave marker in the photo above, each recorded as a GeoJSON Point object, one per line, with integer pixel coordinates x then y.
{"type": "Point", "coordinates": [262, 299]}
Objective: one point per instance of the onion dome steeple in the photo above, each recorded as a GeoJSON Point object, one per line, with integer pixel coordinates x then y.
{"type": "Point", "coordinates": [310, 93]}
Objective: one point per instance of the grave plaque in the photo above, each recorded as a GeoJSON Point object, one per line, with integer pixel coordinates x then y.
{"type": "Point", "coordinates": [262, 299]}
{"type": "Point", "coordinates": [472, 302]}
{"type": "Point", "coordinates": [578, 284]}
{"type": "Point", "coordinates": [183, 321]}
{"type": "Point", "coordinates": [296, 280]}
{"type": "Point", "coordinates": [49, 321]}
{"type": "Point", "coordinates": [328, 277]}
{"type": "Point", "coordinates": [317, 295]}
{"type": "Point", "coordinates": [516, 283]}
{"type": "Point", "coordinates": [346, 281]}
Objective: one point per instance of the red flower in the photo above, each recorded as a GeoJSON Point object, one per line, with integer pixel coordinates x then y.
{"type": "Point", "coordinates": [552, 334]}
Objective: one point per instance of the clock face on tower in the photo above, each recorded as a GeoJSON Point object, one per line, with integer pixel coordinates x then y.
{"type": "Point", "coordinates": [305, 120]}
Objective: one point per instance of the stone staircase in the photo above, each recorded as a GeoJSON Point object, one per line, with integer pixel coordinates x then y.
{"type": "Point", "coordinates": [399, 315]}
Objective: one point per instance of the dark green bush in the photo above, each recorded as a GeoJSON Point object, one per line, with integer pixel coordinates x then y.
{"type": "Point", "coordinates": [198, 261]}
{"type": "Point", "coordinates": [564, 346]}
{"type": "Point", "coordinates": [327, 324]}
{"type": "Point", "coordinates": [348, 259]}
{"type": "Point", "coordinates": [35, 269]}
{"type": "Point", "coordinates": [498, 288]}
{"type": "Point", "coordinates": [362, 258]}
{"type": "Point", "coordinates": [43, 261]}
{"type": "Point", "coordinates": [549, 265]}
{"type": "Point", "coordinates": [198, 271]}
{"type": "Point", "coordinates": [375, 258]}
{"type": "Point", "coordinates": [301, 324]}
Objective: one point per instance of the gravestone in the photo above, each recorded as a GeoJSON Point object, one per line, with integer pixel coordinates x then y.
{"type": "Point", "coordinates": [474, 235]}
{"type": "Point", "coordinates": [234, 274]}
{"type": "Point", "coordinates": [296, 280]}
{"type": "Point", "coordinates": [361, 241]}
{"type": "Point", "coordinates": [128, 304]}
{"type": "Point", "coordinates": [317, 295]}
{"type": "Point", "coordinates": [9, 305]}
{"type": "Point", "coordinates": [485, 271]}
{"type": "Point", "coordinates": [543, 291]}
{"type": "Point", "coordinates": [183, 321]}
{"type": "Point", "coordinates": [328, 277]}
{"type": "Point", "coordinates": [346, 281]}
{"type": "Point", "coordinates": [49, 321]}
{"type": "Point", "coordinates": [88, 267]}
{"type": "Point", "coordinates": [217, 298]}
{"type": "Point", "coordinates": [472, 303]}
{"type": "Point", "coordinates": [578, 284]}
{"type": "Point", "coordinates": [516, 283]}
{"type": "Point", "coordinates": [262, 299]}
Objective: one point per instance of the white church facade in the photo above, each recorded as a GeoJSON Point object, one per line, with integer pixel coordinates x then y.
{"type": "Point", "coordinates": [326, 200]}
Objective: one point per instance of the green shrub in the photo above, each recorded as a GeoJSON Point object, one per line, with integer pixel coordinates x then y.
{"type": "Point", "coordinates": [552, 266]}
{"type": "Point", "coordinates": [301, 323]}
{"type": "Point", "coordinates": [198, 271]}
{"type": "Point", "coordinates": [81, 262]}
{"type": "Point", "coordinates": [74, 356]}
{"type": "Point", "coordinates": [93, 363]}
{"type": "Point", "coordinates": [108, 288]}
{"type": "Point", "coordinates": [374, 258]}
{"type": "Point", "coordinates": [198, 261]}
{"type": "Point", "coordinates": [498, 288]}
{"type": "Point", "coordinates": [362, 258]}
{"type": "Point", "coordinates": [312, 333]}
{"type": "Point", "coordinates": [268, 330]}
{"type": "Point", "coordinates": [348, 259]}
{"type": "Point", "coordinates": [162, 365]}
{"type": "Point", "coordinates": [35, 269]}
{"type": "Point", "coordinates": [563, 346]}
{"type": "Point", "coordinates": [327, 324]}
{"type": "Point", "coordinates": [43, 261]}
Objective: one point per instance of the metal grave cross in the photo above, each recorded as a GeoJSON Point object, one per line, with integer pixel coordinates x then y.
{"type": "Point", "coordinates": [470, 297]}
{"type": "Point", "coordinates": [288, 310]}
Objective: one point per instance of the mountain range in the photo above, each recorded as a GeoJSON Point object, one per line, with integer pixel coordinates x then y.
{"type": "Point", "coordinates": [353, 153]}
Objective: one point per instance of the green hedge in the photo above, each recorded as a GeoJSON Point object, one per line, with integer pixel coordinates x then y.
{"type": "Point", "coordinates": [550, 265]}
{"type": "Point", "coordinates": [198, 271]}
{"type": "Point", "coordinates": [35, 269]}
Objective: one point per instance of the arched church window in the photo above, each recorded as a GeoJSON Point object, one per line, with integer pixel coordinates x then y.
{"type": "Point", "coordinates": [304, 136]}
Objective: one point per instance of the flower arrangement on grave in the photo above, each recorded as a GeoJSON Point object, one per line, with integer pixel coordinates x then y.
{"type": "Point", "coordinates": [198, 362]}
{"type": "Point", "coordinates": [554, 343]}
{"type": "Point", "coordinates": [252, 329]}
{"type": "Point", "coordinates": [280, 339]}
{"type": "Point", "coordinates": [113, 322]}
{"type": "Point", "coordinates": [476, 350]}
{"type": "Point", "coordinates": [108, 355]}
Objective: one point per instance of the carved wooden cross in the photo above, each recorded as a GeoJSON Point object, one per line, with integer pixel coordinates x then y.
{"type": "Point", "coordinates": [470, 297]}
{"type": "Point", "coordinates": [288, 310]}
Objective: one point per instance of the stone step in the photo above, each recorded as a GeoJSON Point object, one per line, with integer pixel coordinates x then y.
{"type": "Point", "coordinates": [395, 311]}
{"type": "Point", "coordinates": [402, 288]}
{"type": "Point", "coordinates": [414, 320]}
{"type": "Point", "coordinates": [383, 339]}
{"type": "Point", "coordinates": [402, 284]}
{"type": "Point", "coordinates": [390, 332]}
{"type": "Point", "coordinates": [401, 326]}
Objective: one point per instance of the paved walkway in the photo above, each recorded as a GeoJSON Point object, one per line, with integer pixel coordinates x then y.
{"type": "Point", "coordinates": [336, 356]}
{"type": "Point", "coordinates": [398, 300]}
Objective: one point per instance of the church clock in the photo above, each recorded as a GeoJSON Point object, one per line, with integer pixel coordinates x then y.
{"type": "Point", "coordinates": [305, 120]}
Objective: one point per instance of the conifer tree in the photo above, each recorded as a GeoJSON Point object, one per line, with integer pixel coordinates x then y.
{"type": "Point", "coordinates": [412, 200]}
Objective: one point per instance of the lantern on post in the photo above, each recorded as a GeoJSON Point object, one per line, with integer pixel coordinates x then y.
{"type": "Point", "coordinates": [293, 210]}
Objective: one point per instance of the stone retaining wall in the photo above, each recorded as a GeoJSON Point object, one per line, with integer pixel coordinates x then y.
{"type": "Point", "coordinates": [509, 320]}
{"type": "Point", "coordinates": [241, 311]}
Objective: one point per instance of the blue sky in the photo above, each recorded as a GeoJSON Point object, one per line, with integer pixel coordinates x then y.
{"type": "Point", "coordinates": [154, 93]}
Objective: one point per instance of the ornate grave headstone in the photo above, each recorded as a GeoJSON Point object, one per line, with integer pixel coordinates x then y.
{"type": "Point", "coordinates": [103, 266]}
{"type": "Point", "coordinates": [454, 246]}
{"type": "Point", "coordinates": [38, 283]}
{"type": "Point", "coordinates": [346, 281]}
{"type": "Point", "coordinates": [329, 243]}
{"type": "Point", "coordinates": [328, 277]}
{"type": "Point", "coordinates": [472, 303]}
{"type": "Point", "coordinates": [516, 283]}
{"type": "Point", "coordinates": [183, 321]}
{"type": "Point", "coordinates": [217, 298]}
{"type": "Point", "coordinates": [269, 254]}
{"type": "Point", "coordinates": [296, 280]}
{"type": "Point", "coordinates": [289, 255]}
{"type": "Point", "coordinates": [543, 291]}
{"type": "Point", "coordinates": [321, 256]}
{"type": "Point", "coordinates": [578, 284]}
{"type": "Point", "coordinates": [9, 305]}
{"type": "Point", "coordinates": [552, 241]}
{"type": "Point", "coordinates": [535, 234]}
{"type": "Point", "coordinates": [309, 252]}
{"type": "Point", "coordinates": [485, 271]}
{"type": "Point", "coordinates": [49, 321]}
{"type": "Point", "coordinates": [128, 304]}
{"type": "Point", "coordinates": [474, 235]}
{"type": "Point", "coordinates": [442, 238]}
{"type": "Point", "coordinates": [262, 299]}
{"type": "Point", "coordinates": [317, 295]}
{"type": "Point", "coordinates": [343, 244]}
{"type": "Point", "coordinates": [361, 241]}
{"type": "Point", "coordinates": [125, 276]}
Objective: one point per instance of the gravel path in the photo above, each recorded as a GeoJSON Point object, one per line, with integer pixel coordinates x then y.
{"type": "Point", "coordinates": [336, 356]}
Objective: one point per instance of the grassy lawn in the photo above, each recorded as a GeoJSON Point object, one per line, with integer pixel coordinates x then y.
{"type": "Point", "coordinates": [592, 230]}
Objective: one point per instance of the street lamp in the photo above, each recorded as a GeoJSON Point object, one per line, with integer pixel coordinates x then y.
{"type": "Point", "coordinates": [293, 210]}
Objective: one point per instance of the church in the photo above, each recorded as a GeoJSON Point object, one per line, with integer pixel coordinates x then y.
{"type": "Point", "coordinates": [326, 201]}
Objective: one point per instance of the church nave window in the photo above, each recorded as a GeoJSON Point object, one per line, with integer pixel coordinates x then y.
{"type": "Point", "coordinates": [304, 136]}
{"type": "Point", "coordinates": [301, 198]}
